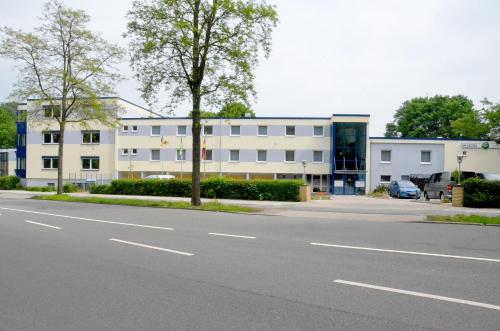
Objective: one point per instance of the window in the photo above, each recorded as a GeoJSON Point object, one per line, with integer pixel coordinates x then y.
{"type": "Point", "coordinates": [50, 111]}
{"type": "Point", "coordinates": [405, 177]}
{"type": "Point", "coordinates": [155, 155]}
{"type": "Point", "coordinates": [51, 137]}
{"type": "Point", "coordinates": [234, 155]}
{"type": "Point", "coordinates": [235, 130]}
{"type": "Point", "coordinates": [318, 131]}
{"type": "Point", "coordinates": [262, 156]}
{"type": "Point", "coordinates": [262, 130]}
{"type": "Point", "coordinates": [180, 155]}
{"type": "Point", "coordinates": [90, 163]}
{"type": "Point", "coordinates": [50, 162]}
{"type": "Point", "coordinates": [385, 179]}
{"type": "Point", "coordinates": [208, 130]}
{"type": "Point", "coordinates": [425, 157]}
{"type": "Point", "coordinates": [289, 156]}
{"type": "Point", "coordinates": [125, 151]}
{"type": "Point", "coordinates": [318, 156]}
{"type": "Point", "coordinates": [91, 137]}
{"type": "Point", "coordinates": [125, 128]}
{"type": "Point", "coordinates": [290, 130]}
{"type": "Point", "coordinates": [181, 130]}
{"type": "Point", "coordinates": [208, 155]}
{"type": "Point", "coordinates": [21, 140]}
{"type": "Point", "coordinates": [134, 151]}
{"type": "Point", "coordinates": [385, 156]}
{"type": "Point", "coordinates": [155, 130]}
{"type": "Point", "coordinates": [134, 128]}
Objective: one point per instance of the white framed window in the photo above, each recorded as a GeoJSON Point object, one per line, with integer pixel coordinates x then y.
{"type": "Point", "coordinates": [50, 162]}
{"type": "Point", "coordinates": [318, 131]}
{"type": "Point", "coordinates": [155, 130]}
{"type": "Point", "coordinates": [90, 162]}
{"type": "Point", "coordinates": [262, 130]}
{"type": "Point", "coordinates": [125, 128]}
{"type": "Point", "coordinates": [386, 179]}
{"type": "Point", "coordinates": [385, 156]}
{"type": "Point", "coordinates": [261, 156]}
{"type": "Point", "coordinates": [133, 151]}
{"type": "Point", "coordinates": [235, 130]}
{"type": "Point", "coordinates": [425, 157]}
{"type": "Point", "coordinates": [405, 177]}
{"type": "Point", "coordinates": [133, 128]}
{"type": "Point", "coordinates": [290, 130]}
{"type": "Point", "coordinates": [318, 156]}
{"type": "Point", "coordinates": [91, 137]}
{"type": "Point", "coordinates": [125, 151]}
{"type": "Point", "coordinates": [181, 130]}
{"type": "Point", "coordinates": [208, 155]}
{"type": "Point", "coordinates": [51, 111]}
{"type": "Point", "coordinates": [208, 130]}
{"type": "Point", "coordinates": [155, 155]}
{"type": "Point", "coordinates": [49, 137]}
{"type": "Point", "coordinates": [234, 155]}
{"type": "Point", "coordinates": [180, 155]}
{"type": "Point", "coordinates": [290, 156]}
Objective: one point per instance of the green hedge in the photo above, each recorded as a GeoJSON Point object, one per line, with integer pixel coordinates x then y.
{"type": "Point", "coordinates": [9, 182]}
{"type": "Point", "coordinates": [480, 193]}
{"type": "Point", "coordinates": [271, 190]}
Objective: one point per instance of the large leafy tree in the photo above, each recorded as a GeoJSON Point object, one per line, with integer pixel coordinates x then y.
{"type": "Point", "coordinates": [8, 124]}
{"type": "Point", "coordinates": [236, 110]}
{"type": "Point", "coordinates": [428, 117]}
{"type": "Point", "coordinates": [204, 51]}
{"type": "Point", "coordinates": [65, 66]}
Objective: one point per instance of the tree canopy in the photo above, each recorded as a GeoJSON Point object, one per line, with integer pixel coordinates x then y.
{"type": "Point", "coordinates": [204, 51]}
{"type": "Point", "coordinates": [230, 110]}
{"type": "Point", "coordinates": [8, 124]}
{"type": "Point", "coordinates": [66, 67]}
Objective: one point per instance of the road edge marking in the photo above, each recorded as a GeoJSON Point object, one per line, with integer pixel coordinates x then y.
{"type": "Point", "coordinates": [42, 224]}
{"type": "Point", "coordinates": [90, 219]}
{"type": "Point", "coordinates": [151, 247]}
{"type": "Point", "coordinates": [231, 235]}
{"type": "Point", "coordinates": [409, 252]}
{"type": "Point", "coordinates": [419, 294]}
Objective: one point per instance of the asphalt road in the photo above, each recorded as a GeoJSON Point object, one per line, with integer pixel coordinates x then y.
{"type": "Point", "coordinates": [68, 266]}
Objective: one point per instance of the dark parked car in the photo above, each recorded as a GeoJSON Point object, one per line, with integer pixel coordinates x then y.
{"type": "Point", "coordinates": [404, 189]}
{"type": "Point", "coordinates": [440, 184]}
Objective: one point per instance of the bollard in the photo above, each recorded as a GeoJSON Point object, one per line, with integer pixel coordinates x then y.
{"type": "Point", "coordinates": [457, 196]}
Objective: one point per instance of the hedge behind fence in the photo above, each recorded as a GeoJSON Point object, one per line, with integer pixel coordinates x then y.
{"type": "Point", "coordinates": [273, 190]}
{"type": "Point", "coordinates": [480, 193]}
{"type": "Point", "coordinates": [9, 182]}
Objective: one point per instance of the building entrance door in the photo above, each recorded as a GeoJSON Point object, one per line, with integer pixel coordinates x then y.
{"type": "Point", "coordinates": [350, 184]}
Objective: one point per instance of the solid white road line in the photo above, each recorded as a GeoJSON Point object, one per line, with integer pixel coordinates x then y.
{"type": "Point", "coordinates": [419, 294]}
{"type": "Point", "coordinates": [230, 235]}
{"type": "Point", "coordinates": [90, 219]}
{"type": "Point", "coordinates": [46, 225]}
{"type": "Point", "coordinates": [151, 247]}
{"type": "Point", "coordinates": [410, 252]}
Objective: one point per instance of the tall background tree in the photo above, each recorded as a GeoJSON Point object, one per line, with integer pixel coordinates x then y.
{"type": "Point", "coordinates": [202, 50]}
{"type": "Point", "coordinates": [65, 66]}
{"type": "Point", "coordinates": [230, 110]}
{"type": "Point", "coordinates": [8, 124]}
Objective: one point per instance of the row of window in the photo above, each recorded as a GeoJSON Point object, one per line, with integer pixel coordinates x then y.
{"type": "Point", "coordinates": [386, 156]}
{"type": "Point", "coordinates": [88, 137]}
{"type": "Point", "coordinates": [87, 162]}
{"type": "Point", "coordinates": [234, 155]}
{"type": "Point", "coordinates": [208, 130]}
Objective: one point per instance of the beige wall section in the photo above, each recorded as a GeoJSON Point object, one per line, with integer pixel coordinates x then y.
{"type": "Point", "coordinates": [477, 159]}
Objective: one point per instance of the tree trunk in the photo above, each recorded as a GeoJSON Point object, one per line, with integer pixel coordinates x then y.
{"type": "Point", "coordinates": [196, 130]}
{"type": "Point", "coordinates": [60, 184]}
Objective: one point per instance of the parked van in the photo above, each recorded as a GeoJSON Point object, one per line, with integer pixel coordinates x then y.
{"type": "Point", "coordinates": [440, 184]}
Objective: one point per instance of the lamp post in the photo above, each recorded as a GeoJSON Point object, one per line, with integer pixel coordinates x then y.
{"type": "Point", "coordinates": [304, 163]}
{"type": "Point", "coordinates": [460, 159]}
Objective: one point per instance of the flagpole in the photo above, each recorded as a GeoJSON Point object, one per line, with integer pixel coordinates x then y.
{"type": "Point", "coordinates": [182, 155]}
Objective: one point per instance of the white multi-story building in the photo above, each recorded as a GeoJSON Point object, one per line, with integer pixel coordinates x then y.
{"type": "Point", "coordinates": [334, 154]}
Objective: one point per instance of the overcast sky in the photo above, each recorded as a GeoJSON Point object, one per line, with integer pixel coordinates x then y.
{"type": "Point", "coordinates": [330, 56]}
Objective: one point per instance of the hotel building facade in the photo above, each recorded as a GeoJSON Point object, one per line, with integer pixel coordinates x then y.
{"type": "Point", "coordinates": [333, 154]}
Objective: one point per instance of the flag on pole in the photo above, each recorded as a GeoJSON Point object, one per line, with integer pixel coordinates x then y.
{"type": "Point", "coordinates": [203, 149]}
{"type": "Point", "coordinates": [181, 151]}
{"type": "Point", "coordinates": [163, 141]}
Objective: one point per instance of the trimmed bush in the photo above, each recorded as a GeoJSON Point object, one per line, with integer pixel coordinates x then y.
{"type": "Point", "coordinates": [480, 193]}
{"type": "Point", "coordinates": [39, 188]}
{"type": "Point", "coordinates": [9, 182]}
{"type": "Point", "coordinates": [70, 188]}
{"type": "Point", "coordinates": [219, 188]}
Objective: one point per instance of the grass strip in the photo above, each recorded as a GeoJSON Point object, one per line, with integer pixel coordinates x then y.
{"type": "Point", "coordinates": [210, 206]}
{"type": "Point", "coordinates": [473, 219]}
